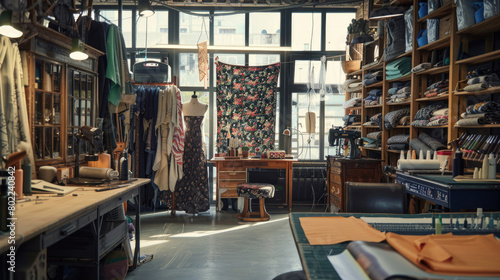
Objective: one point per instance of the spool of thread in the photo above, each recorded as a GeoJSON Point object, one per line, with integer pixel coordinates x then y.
{"type": "Point", "coordinates": [485, 168]}
{"type": "Point", "coordinates": [492, 167]}
{"type": "Point", "coordinates": [428, 154]}
{"type": "Point", "coordinates": [434, 156]}
{"type": "Point", "coordinates": [421, 155]}
{"type": "Point", "coordinates": [476, 173]}
{"type": "Point", "coordinates": [420, 164]}
{"type": "Point", "coordinates": [402, 155]}
{"type": "Point", "coordinates": [26, 178]}
{"type": "Point", "coordinates": [98, 173]}
{"type": "Point", "coordinates": [458, 164]}
{"type": "Point", "coordinates": [408, 155]}
{"type": "Point", "coordinates": [47, 173]}
{"type": "Point", "coordinates": [18, 187]}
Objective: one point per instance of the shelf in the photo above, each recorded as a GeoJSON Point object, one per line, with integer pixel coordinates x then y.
{"type": "Point", "coordinates": [435, 98]}
{"type": "Point", "coordinates": [373, 149]}
{"type": "Point", "coordinates": [353, 108]}
{"type": "Point", "coordinates": [357, 72]}
{"type": "Point", "coordinates": [401, 2]}
{"type": "Point", "coordinates": [399, 103]}
{"type": "Point", "coordinates": [431, 127]}
{"type": "Point", "coordinates": [480, 58]}
{"type": "Point", "coordinates": [396, 151]}
{"type": "Point", "coordinates": [438, 44]}
{"type": "Point", "coordinates": [353, 126]}
{"type": "Point", "coordinates": [378, 84]}
{"type": "Point", "coordinates": [406, 77]}
{"type": "Point", "coordinates": [378, 66]}
{"type": "Point", "coordinates": [435, 70]}
{"type": "Point", "coordinates": [401, 126]}
{"type": "Point", "coordinates": [479, 126]}
{"type": "Point", "coordinates": [373, 106]}
{"type": "Point", "coordinates": [371, 126]}
{"type": "Point", "coordinates": [443, 11]}
{"type": "Point", "coordinates": [482, 28]}
{"type": "Point", "coordinates": [481, 92]}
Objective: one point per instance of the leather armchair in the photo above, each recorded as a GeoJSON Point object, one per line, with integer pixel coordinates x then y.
{"type": "Point", "coordinates": [375, 198]}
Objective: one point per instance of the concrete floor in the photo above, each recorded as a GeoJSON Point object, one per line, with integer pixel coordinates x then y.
{"type": "Point", "coordinates": [216, 245]}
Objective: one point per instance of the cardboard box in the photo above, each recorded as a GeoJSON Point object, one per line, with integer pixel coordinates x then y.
{"type": "Point", "coordinates": [445, 26]}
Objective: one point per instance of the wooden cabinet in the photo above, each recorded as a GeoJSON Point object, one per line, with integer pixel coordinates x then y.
{"type": "Point", "coordinates": [341, 170]}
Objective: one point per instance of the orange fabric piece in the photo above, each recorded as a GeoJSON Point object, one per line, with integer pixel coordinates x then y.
{"type": "Point", "coordinates": [450, 254]}
{"type": "Point", "coordinates": [333, 230]}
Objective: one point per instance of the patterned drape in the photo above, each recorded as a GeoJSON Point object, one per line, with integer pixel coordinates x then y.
{"type": "Point", "coordinates": [246, 105]}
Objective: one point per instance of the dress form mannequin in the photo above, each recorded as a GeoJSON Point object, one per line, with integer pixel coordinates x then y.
{"type": "Point", "coordinates": [194, 107]}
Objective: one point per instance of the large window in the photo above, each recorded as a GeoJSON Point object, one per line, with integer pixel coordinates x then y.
{"type": "Point", "coordinates": [194, 29]}
{"type": "Point", "coordinates": [189, 74]}
{"type": "Point", "coordinates": [155, 28]}
{"type": "Point", "coordinates": [264, 29]}
{"type": "Point", "coordinates": [336, 30]}
{"type": "Point", "coordinates": [306, 31]}
{"type": "Point", "coordinates": [229, 30]}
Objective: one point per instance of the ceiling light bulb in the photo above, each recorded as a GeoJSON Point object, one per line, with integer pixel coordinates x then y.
{"type": "Point", "coordinates": [6, 26]}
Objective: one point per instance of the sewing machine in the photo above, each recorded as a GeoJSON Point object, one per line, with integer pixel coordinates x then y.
{"type": "Point", "coordinates": [335, 134]}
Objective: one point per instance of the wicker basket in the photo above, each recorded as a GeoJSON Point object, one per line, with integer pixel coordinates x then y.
{"type": "Point", "coordinates": [351, 66]}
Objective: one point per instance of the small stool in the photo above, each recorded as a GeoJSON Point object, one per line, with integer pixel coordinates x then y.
{"type": "Point", "coordinates": [254, 190]}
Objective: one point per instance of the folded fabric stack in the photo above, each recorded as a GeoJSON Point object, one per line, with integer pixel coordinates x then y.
{"type": "Point", "coordinates": [372, 78]}
{"type": "Point", "coordinates": [391, 119]}
{"type": "Point", "coordinates": [482, 82]}
{"type": "Point", "coordinates": [487, 112]}
{"type": "Point", "coordinates": [353, 102]}
{"type": "Point", "coordinates": [439, 117]}
{"type": "Point", "coordinates": [373, 139]}
{"type": "Point", "coordinates": [437, 89]}
{"type": "Point", "coordinates": [398, 68]}
{"type": "Point", "coordinates": [421, 67]}
{"type": "Point", "coordinates": [351, 119]}
{"type": "Point", "coordinates": [426, 143]}
{"type": "Point", "coordinates": [377, 120]}
{"type": "Point", "coordinates": [352, 85]}
{"type": "Point", "coordinates": [423, 116]}
{"type": "Point", "coordinates": [398, 142]}
{"type": "Point", "coordinates": [400, 92]}
{"type": "Point", "coordinates": [373, 97]}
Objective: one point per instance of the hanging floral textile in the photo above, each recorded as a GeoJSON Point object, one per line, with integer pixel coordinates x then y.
{"type": "Point", "coordinates": [246, 105]}
{"type": "Point", "coordinates": [203, 62]}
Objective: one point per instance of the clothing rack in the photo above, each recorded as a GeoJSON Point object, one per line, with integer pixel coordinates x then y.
{"type": "Point", "coordinates": [173, 83]}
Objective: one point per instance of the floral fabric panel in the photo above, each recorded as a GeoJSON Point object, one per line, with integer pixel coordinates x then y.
{"type": "Point", "coordinates": [246, 105]}
{"type": "Point", "coordinates": [255, 190]}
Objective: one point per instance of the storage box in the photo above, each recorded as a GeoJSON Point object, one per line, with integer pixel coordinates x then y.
{"type": "Point", "coordinates": [444, 26]}
{"type": "Point", "coordinates": [276, 154]}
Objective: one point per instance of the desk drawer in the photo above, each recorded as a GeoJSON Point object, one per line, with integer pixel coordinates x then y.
{"type": "Point", "coordinates": [233, 175]}
{"type": "Point", "coordinates": [230, 183]}
{"type": "Point", "coordinates": [232, 164]}
{"type": "Point", "coordinates": [52, 237]}
{"type": "Point", "coordinates": [232, 168]}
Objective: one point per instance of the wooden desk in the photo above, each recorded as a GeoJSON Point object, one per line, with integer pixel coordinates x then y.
{"type": "Point", "coordinates": [231, 172]}
{"type": "Point", "coordinates": [456, 196]}
{"type": "Point", "coordinates": [44, 222]}
{"type": "Point", "coordinates": [314, 258]}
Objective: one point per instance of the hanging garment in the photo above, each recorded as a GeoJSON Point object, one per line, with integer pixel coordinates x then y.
{"type": "Point", "coordinates": [191, 192]}
{"type": "Point", "coordinates": [246, 105]}
{"type": "Point", "coordinates": [14, 122]}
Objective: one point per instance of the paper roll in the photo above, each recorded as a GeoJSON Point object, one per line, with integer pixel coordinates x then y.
{"type": "Point", "coordinates": [98, 173]}
{"type": "Point", "coordinates": [420, 164]}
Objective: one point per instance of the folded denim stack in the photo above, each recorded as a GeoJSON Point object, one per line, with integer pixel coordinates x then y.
{"type": "Point", "coordinates": [353, 102]}
{"type": "Point", "coordinates": [372, 78]}
{"type": "Point", "coordinates": [423, 116]}
{"type": "Point", "coordinates": [391, 119]}
{"type": "Point", "coordinates": [437, 89]}
{"type": "Point", "coordinates": [373, 139]}
{"type": "Point", "coordinates": [482, 82]}
{"type": "Point", "coordinates": [421, 67]}
{"type": "Point", "coordinates": [398, 68]}
{"type": "Point", "coordinates": [398, 142]}
{"type": "Point", "coordinates": [373, 97]}
{"type": "Point", "coordinates": [487, 112]}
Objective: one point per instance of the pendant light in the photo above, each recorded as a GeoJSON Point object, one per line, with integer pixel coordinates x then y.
{"type": "Point", "coordinates": [387, 11]}
{"type": "Point", "coordinates": [145, 9]}
{"type": "Point", "coordinates": [78, 50]}
{"type": "Point", "coordinates": [7, 27]}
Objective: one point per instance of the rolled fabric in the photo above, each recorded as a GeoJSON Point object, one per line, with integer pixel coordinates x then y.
{"type": "Point", "coordinates": [483, 107]}
{"type": "Point", "coordinates": [438, 122]}
{"type": "Point", "coordinates": [441, 112]}
{"type": "Point", "coordinates": [431, 142]}
{"type": "Point", "coordinates": [417, 145]}
{"type": "Point", "coordinates": [374, 135]}
{"type": "Point", "coordinates": [418, 164]}
{"type": "Point", "coordinates": [399, 147]}
{"type": "Point", "coordinates": [98, 173]}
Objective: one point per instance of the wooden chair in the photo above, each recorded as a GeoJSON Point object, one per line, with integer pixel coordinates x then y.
{"type": "Point", "coordinates": [255, 190]}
